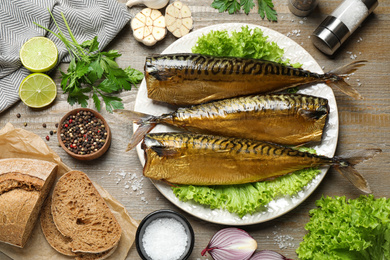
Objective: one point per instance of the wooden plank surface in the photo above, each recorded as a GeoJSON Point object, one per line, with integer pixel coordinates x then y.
{"type": "Point", "coordinates": [363, 123]}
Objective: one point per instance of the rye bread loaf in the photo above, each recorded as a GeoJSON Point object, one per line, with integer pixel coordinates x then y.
{"type": "Point", "coordinates": [24, 185]}
{"type": "Point", "coordinates": [79, 212]}
{"type": "Point", "coordinates": [61, 243]}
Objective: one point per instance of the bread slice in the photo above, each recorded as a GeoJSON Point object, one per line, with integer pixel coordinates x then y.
{"type": "Point", "coordinates": [79, 212]}
{"type": "Point", "coordinates": [24, 185]}
{"type": "Point", "coordinates": [62, 243]}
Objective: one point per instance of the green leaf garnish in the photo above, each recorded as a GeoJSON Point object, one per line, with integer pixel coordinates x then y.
{"type": "Point", "coordinates": [265, 8]}
{"type": "Point", "coordinates": [91, 70]}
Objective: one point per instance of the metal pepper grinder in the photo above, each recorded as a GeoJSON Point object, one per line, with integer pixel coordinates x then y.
{"type": "Point", "coordinates": [302, 7]}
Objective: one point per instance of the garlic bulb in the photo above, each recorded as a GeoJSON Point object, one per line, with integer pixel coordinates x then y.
{"type": "Point", "coordinates": [148, 26]}
{"type": "Point", "coordinates": [178, 19]}
{"type": "Point", "coordinates": [154, 4]}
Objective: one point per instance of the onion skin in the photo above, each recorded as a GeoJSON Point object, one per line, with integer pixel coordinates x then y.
{"type": "Point", "coordinates": [268, 255]}
{"type": "Point", "coordinates": [231, 244]}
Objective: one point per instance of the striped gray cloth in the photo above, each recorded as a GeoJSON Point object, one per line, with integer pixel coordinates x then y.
{"type": "Point", "coordinates": [86, 18]}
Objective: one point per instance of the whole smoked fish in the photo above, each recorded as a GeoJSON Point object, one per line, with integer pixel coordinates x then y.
{"type": "Point", "coordinates": [188, 79]}
{"type": "Point", "coordinates": [196, 159]}
{"type": "Point", "coordinates": [289, 119]}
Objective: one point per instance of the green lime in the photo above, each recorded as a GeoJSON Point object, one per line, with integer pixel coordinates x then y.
{"type": "Point", "coordinates": [39, 54]}
{"type": "Point", "coordinates": [37, 90]}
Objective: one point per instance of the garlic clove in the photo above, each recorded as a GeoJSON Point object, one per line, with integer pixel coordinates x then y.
{"type": "Point", "coordinates": [187, 22]}
{"type": "Point", "coordinates": [141, 17]}
{"type": "Point", "coordinates": [147, 31]}
{"type": "Point", "coordinates": [146, 12]}
{"type": "Point", "coordinates": [170, 20]}
{"type": "Point", "coordinates": [178, 19]}
{"type": "Point", "coordinates": [185, 11]}
{"type": "Point", "coordinates": [178, 4]}
{"type": "Point", "coordinates": [184, 30]}
{"type": "Point", "coordinates": [158, 33]}
{"type": "Point", "coordinates": [178, 23]}
{"type": "Point", "coordinates": [172, 27]}
{"type": "Point", "coordinates": [177, 33]}
{"type": "Point", "coordinates": [139, 34]}
{"type": "Point", "coordinates": [160, 22]}
{"type": "Point", "coordinates": [170, 10]}
{"type": "Point", "coordinates": [149, 40]}
{"type": "Point", "coordinates": [149, 21]}
{"type": "Point", "coordinates": [155, 14]}
{"type": "Point", "coordinates": [135, 23]}
{"type": "Point", "coordinates": [148, 26]}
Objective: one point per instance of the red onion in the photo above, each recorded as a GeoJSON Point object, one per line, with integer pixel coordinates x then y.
{"type": "Point", "coordinates": [231, 244]}
{"type": "Point", "coordinates": [268, 255]}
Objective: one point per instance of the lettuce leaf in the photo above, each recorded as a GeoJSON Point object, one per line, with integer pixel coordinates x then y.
{"type": "Point", "coordinates": [247, 43]}
{"type": "Point", "coordinates": [348, 229]}
{"type": "Point", "coordinates": [246, 198]}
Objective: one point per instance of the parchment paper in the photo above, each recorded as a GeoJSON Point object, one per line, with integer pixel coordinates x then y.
{"type": "Point", "coordinates": [20, 143]}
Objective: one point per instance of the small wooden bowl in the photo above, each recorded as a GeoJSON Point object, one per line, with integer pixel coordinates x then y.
{"type": "Point", "coordinates": [90, 156]}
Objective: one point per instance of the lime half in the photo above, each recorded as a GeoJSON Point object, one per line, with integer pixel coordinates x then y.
{"type": "Point", "coordinates": [39, 54]}
{"type": "Point", "coordinates": [37, 90]}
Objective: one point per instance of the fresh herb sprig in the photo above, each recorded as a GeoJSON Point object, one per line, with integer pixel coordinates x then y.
{"type": "Point", "coordinates": [265, 7]}
{"type": "Point", "coordinates": [93, 71]}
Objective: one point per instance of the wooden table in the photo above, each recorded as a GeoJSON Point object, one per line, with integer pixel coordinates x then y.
{"type": "Point", "coordinates": [363, 123]}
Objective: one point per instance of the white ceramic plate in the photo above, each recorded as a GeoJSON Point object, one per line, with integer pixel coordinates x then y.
{"type": "Point", "coordinates": [278, 207]}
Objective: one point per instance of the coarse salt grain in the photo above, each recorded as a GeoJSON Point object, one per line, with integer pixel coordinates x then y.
{"type": "Point", "coordinates": [352, 56]}
{"type": "Point", "coordinates": [296, 33]}
{"type": "Point", "coordinates": [132, 183]}
{"type": "Point", "coordinates": [165, 239]}
{"type": "Point", "coordinates": [284, 241]}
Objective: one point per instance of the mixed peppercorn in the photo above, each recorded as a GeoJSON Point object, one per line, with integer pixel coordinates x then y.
{"type": "Point", "coordinates": [83, 133]}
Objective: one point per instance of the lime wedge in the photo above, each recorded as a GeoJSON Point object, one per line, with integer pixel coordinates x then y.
{"type": "Point", "coordinates": [37, 90]}
{"type": "Point", "coordinates": [39, 54]}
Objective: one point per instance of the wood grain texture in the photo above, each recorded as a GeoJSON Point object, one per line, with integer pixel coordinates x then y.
{"type": "Point", "coordinates": [363, 123]}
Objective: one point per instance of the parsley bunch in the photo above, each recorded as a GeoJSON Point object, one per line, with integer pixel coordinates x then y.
{"type": "Point", "coordinates": [93, 71]}
{"type": "Point", "coordinates": [265, 9]}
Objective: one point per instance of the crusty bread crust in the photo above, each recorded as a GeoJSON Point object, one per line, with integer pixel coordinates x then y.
{"type": "Point", "coordinates": [30, 167]}
{"type": "Point", "coordinates": [61, 243]}
{"type": "Point", "coordinates": [24, 185]}
{"type": "Point", "coordinates": [98, 256]}
{"type": "Point", "coordinates": [79, 212]}
{"type": "Point", "coordinates": [55, 239]}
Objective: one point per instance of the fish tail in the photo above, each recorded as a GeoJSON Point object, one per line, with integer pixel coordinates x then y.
{"type": "Point", "coordinates": [139, 134]}
{"type": "Point", "coordinates": [146, 123]}
{"type": "Point", "coordinates": [345, 166]}
{"type": "Point", "coordinates": [336, 78]}
{"type": "Point", "coordinates": [137, 117]}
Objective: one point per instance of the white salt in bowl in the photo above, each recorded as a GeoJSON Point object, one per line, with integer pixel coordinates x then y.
{"type": "Point", "coordinates": [164, 234]}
